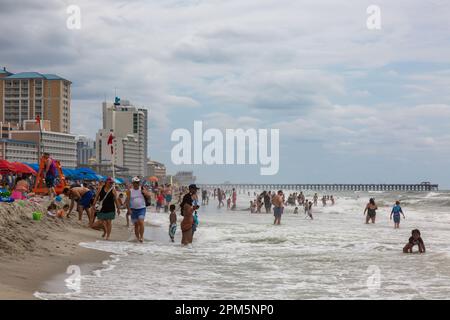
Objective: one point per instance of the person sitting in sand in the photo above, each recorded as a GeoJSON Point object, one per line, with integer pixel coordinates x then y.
{"type": "Point", "coordinates": [20, 189]}
{"type": "Point", "coordinates": [396, 210]}
{"type": "Point", "coordinates": [61, 213]}
{"type": "Point", "coordinates": [415, 239]}
{"type": "Point", "coordinates": [51, 210]}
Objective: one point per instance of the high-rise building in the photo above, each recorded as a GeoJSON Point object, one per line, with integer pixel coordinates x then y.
{"type": "Point", "coordinates": [85, 150]}
{"type": "Point", "coordinates": [129, 125]}
{"type": "Point", "coordinates": [26, 95]}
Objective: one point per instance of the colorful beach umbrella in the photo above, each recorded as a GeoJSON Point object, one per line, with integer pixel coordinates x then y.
{"type": "Point", "coordinates": [18, 167]}
{"type": "Point", "coordinates": [5, 166]}
{"type": "Point", "coordinates": [153, 179]}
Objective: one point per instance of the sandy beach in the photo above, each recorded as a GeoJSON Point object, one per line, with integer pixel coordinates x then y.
{"type": "Point", "coordinates": [32, 252]}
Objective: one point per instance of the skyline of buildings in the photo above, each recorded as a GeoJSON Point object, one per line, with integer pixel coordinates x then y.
{"type": "Point", "coordinates": [25, 96]}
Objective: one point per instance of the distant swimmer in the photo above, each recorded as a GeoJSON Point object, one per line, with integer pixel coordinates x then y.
{"type": "Point", "coordinates": [316, 197]}
{"type": "Point", "coordinates": [296, 210]}
{"type": "Point", "coordinates": [332, 200]}
{"type": "Point", "coordinates": [396, 211]}
{"type": "Point", "coordinates": [277, 201]}
{"type": "Point", "coordinates": [267, 201]}
{"type": "Point", "coordinates": [371, 209]}
{"type": "Point", "coordinates": [415, 239]}
{"type": "Point", "coordinates": [310, 206]}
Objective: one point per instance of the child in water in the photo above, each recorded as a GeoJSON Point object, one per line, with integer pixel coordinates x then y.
{"type": "Point", "coordinates": [415, 239]}
{"type": "Point", "coordinates": [396, 210]}
{"type": "Point", "coordinates": [195, 224]}
{"type": "Point", "coordinates": [296, 210]}
{"type": "Point", "coordinates": [172, 222]}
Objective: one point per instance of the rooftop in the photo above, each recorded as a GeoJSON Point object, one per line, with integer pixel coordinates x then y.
{"type": "Point", "coordinates": [32, 75]}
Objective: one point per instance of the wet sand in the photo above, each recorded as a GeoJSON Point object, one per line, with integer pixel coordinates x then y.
{"type": "Point", "coordinates": [34, 251]}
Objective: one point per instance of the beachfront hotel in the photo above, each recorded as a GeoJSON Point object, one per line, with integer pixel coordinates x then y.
{"type": "Point", "coordinates": [61, 146]}
{"type": "Point", "coordinates": [129, 124]}
{"type": "Point", "coordinates": [26, 95]}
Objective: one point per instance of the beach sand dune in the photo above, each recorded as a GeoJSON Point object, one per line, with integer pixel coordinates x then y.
{"type": "Point", "coordinates": [33, 251]}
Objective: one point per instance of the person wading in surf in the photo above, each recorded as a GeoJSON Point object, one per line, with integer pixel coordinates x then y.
{"type": "Point", "coordinates": [371, 209]}
{"type": "Point", "coordinates": [277, 201]}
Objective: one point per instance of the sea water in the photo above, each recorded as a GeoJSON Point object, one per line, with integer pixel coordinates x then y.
{"type": "Point", "coordinates": [239, 255]}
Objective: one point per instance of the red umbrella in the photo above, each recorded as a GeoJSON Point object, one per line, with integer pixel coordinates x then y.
{"type": "Point", "coordinates": [5, 166]}
{"type": "Point", "coordinates": [18, 167]}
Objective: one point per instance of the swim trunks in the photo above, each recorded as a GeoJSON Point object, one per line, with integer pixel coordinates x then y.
{"type": "Point", "coordinates": [138, 214]}
{"type": "Point", "coordinates": [278, 211]}
{"type": "Point", "coordinates": [85, 200]}
{"type": "Point", "coordinates": [172, 230]}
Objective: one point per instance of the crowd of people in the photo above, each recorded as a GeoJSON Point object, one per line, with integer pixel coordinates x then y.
{"type": "Point", "coordinates": [102, 201]}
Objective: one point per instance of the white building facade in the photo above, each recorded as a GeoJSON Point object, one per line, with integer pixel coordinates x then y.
{"type": "Point", "coordinates": [129, 125]}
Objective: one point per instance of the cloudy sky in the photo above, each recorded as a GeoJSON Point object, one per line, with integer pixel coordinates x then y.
{"type": "Point", "coordinates": [352, 104]}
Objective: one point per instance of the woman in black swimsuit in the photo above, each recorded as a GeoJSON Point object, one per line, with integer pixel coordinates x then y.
{"type": "Point", "coordinates": [371, 209]}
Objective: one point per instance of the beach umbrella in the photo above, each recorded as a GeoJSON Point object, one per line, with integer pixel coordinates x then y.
{"type": "Point", "coordinates": [18, 167]}
{"type": "Point", "coordinates": [153, 179]}
{"type": "Point", "coordinates": [5, 166]}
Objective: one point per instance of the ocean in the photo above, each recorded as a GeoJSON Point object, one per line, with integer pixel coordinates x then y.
{"type": "Point", "coordinates": [238, 255]}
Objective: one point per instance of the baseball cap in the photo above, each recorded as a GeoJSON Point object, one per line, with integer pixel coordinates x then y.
{"type": "Point", "coordinates": [136, 179]}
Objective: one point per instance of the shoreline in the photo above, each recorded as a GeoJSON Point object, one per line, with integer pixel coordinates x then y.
{"type": "Point", "coordinates": [40, 251]}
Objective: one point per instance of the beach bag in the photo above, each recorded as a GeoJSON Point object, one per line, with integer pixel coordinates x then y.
{"type": "Point", "coordinates": [99, 204]}
{"type": "Point", "coordinates": [148, 200]}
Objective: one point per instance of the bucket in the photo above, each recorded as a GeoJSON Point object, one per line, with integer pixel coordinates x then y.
{"type": "Point", "coordinates": [37, 216]}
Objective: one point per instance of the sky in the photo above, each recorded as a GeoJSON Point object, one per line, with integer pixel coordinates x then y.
{"type": "Point", "coordinates": [353, 104]}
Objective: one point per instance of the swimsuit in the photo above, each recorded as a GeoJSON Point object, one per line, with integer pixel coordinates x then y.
{"type": "Point", "coordinates": [85, 200]}
{"type": "Point", "coordinates": [277, 212]}
{"type": "Point", "coordinates": [172, 230]}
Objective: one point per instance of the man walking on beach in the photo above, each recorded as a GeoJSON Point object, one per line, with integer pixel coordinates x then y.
{"type": "Point", "coordinates": [277, 201]}
{"type": "Point", "coordinates": [136, 207]}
